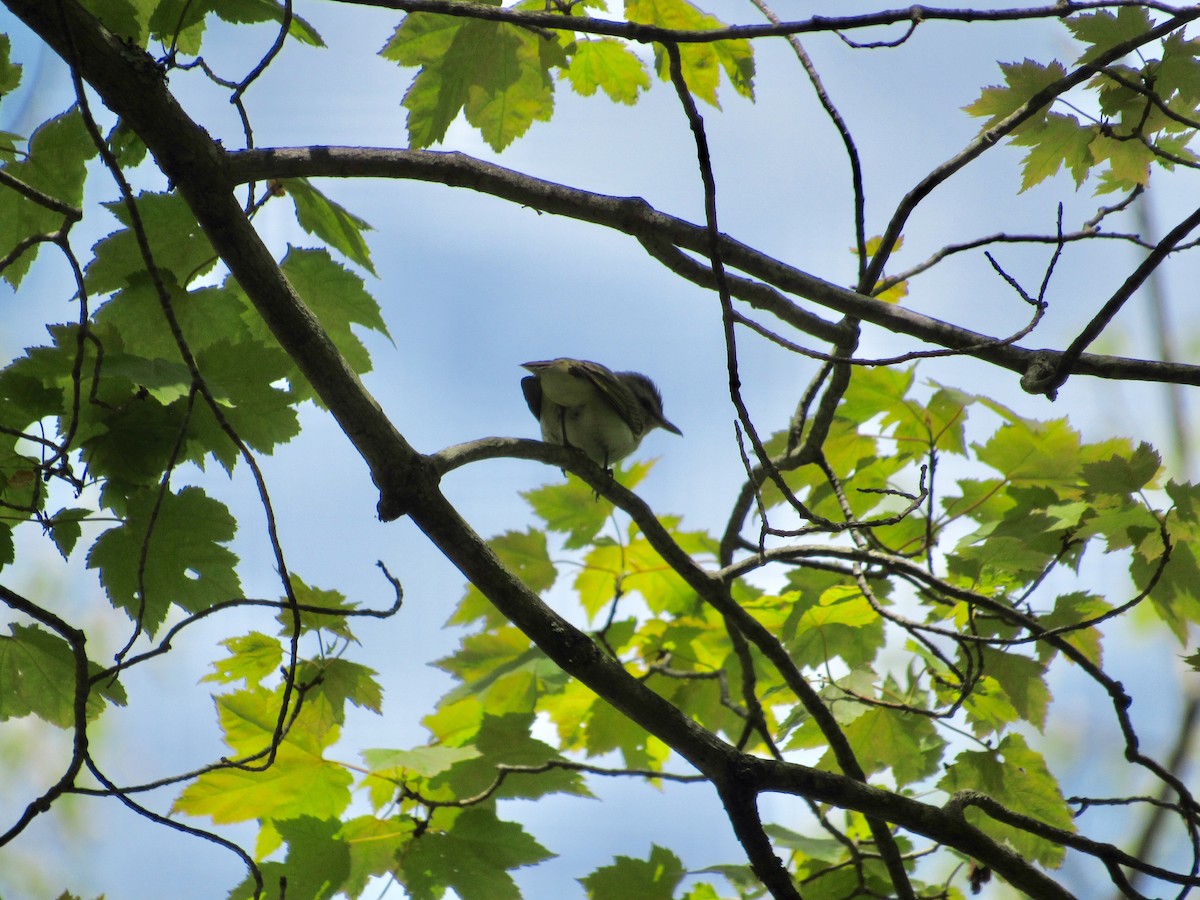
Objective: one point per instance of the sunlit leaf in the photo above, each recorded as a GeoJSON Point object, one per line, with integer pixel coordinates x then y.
{"type": "Point", "coordinates": [607, 64]}
{"type": "Point", "coordinates": [701, 63]}
{"type": "Point", "coordinates": [300, 781]}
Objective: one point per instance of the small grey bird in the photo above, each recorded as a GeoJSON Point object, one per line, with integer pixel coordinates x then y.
{"type": "Point", "coordinates": [585, 405]}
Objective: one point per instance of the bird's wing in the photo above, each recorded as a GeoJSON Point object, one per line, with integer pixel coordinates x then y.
{"type": "Point", "coordinates": [616, 394]}
{"type": "Point", "coordinates": [532, 389]}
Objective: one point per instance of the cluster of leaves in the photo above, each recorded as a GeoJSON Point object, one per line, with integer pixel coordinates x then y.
{"type": "Point", "coordinates": [501, 76]}
{"type": "Point", "coordinates": [180, 25]}
{"type": "Point", "coordinates": [979, 637]}
{"type": "Point", "coordinates": [1143, 115]}
{"type": "Point", "coordinates": [169, 365]}
{"type": "Point", "coordinates": [141, 387]}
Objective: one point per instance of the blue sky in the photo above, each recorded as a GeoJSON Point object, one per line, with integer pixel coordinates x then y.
{"type": "Point", "coordinates": [471, 287]}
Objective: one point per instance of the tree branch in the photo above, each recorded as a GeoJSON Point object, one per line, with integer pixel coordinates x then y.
{"type": "Point", "coordinates": [131, 85]}
{"type": "Point", "coordinates": [634, 31]}
{"type": "Point", "coordinates": [991, 136]}
{"type": "Point", "coordinates": [635, 217]}
{"type": "Point", "coordinates": [79, 750]}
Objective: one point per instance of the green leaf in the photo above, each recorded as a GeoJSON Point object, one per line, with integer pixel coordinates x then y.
{"type": "Point", "coordinates": [8, 551]}
{"type": "Point", "coordinates": [1056, 141]}
{"type": "Point", "coordinates": [65, 530]}
{"type": "Point", "coordinates": [338, 299]}
{"type": "Point", "coordinates": [252, 658]}
{"type": "Point", "coordinates": [1123, 474]}
{"type": "Point", "coordinates": [180, 23]}
{"type": "Point", "coordinates": [127, 146]}
{"type": "Point", "coordinates": [133, 320]}
{"type": "Point", "coordinates": [501, 666]}
{"type": "Point", "coordinates": [506, 739]}
{"type": "Point", "coordinates": [177, 244]}
{"type": "Point", "coordinates": [1128, 163]}
{"type": "Point", "coordinates": [316, 867]}
{"type": "Point", "coordinates": [1071, 609]}
{"type": "Point", "coordinates": [987, 707]}
{"type": "Point", "coordinates": [1023, 681]}
{"type": "Point", "coordinates": [494, 72]}
{"type": "Point", "coordinates": [502, 108]}
{"type": "Point", "coordinates": [300, 782]}
{"type": "Point", "coordinates": [246, 379]}
{"type": "Point", "coordinates": [824, 849]}
{"type": "Point", "coordinates": [880, 390]}
{"type": "Point", "coordinates": [608, 64]}
{"type": "Point", "coordinates": [340, 680]}
{"type": "Point", "coordinates": [525, 554]}
{"type": "Point", "coordinates": [185, 561]}
{"type": "Point", "coordinates": [573, 508]}
{"type": "Point", "coordinates": [1017, 777]}
{"type": "Point", "coordinates": [37, 676]}
{"type": "Point", "coordinates": [838, 622]}
{"type": "Point", "coordinates": [250, 11]}
{"type": "Point", "coordinates": [424, 761]}
{"type": "Point", "coordinates": [653, 878]}
{"type": "Point", "coordinates": [390, 769]}
{"type": "Point", "coordinates": [884, 738]}
{"type": "Point", "coordinates": [1029, 452]}
{"type": "Point", "coordinates": [130, 19]}
{"type": "Point", "coordinates": [10, 72]}
{"type": "Point", "coordinates": [55, 165]}
{"type": "Point", "coordinates": [332, 223]}
{"type": "Point", "coordinates": [375, 845]}
{"type": "Point", "coordinates": [422, 39]}
{"type": "Point", "coordinates": [133, 443]}
{"type": "Point", "coordinates": [1001, 556]}
{"type": "Point", "coordinates": [701, 63]}
{"type": "Point", "coordinates": [1104, 30]}
{"type": "Point", "coordinates": [605, 730]}
{"type": "Point", "coordinates": [334, 622]}
{"type": "Point", "coordinates": [611, 570]}
{"type": "Point", "coordinates": [20, 486]}
{"type": "Point", "coordinates": [1179, 72]}
{"type": "Point", "coordinates": [473, 858]}
{"type": "Point", "coordinates": [1176, 595]}
{"type": "Point", "coordinates": [1024, 80]}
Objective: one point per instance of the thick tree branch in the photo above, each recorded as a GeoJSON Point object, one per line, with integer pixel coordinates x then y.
{"type": "Point", "coordinates": [1121, 296]}
{"type": "Point", "coordinates": [131, 85]}
{"type": "Point", "coordinates": [633, 216]}
{"type": "Point", "coordinates": [946, 826]}
{"type": "Point", "coordinates": [728, 768]}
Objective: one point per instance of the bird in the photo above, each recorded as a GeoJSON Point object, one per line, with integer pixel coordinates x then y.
{"type": "Point", "coordinates": [585, 405]}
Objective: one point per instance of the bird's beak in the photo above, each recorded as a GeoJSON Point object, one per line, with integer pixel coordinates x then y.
{"type": "Point", "coordinates": [663, 423]}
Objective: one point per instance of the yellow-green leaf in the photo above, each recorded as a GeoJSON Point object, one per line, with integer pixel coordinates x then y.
{"type": "Point", "coordinates": [1024, 79]}
{"type": "Point", "coordinates": [608, 64]}
{"type": "Point", "coordinates": [300, 781]}
{"type": "Point", "coordinates": [701, 63]}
